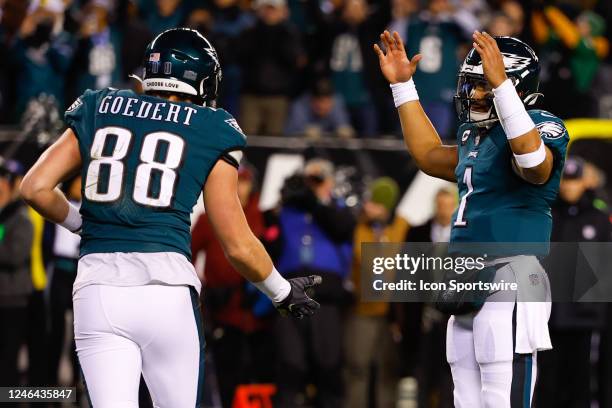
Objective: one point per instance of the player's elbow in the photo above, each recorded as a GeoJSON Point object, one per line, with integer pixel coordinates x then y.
{"type": "Point", "coordinates": [29, 188]}
{"type": "Point", "coordinates": [237, 253]}
{"type": "Point", "coordinates": [536, 175]}
{"type": "Point", "coordinates": [236, 249]}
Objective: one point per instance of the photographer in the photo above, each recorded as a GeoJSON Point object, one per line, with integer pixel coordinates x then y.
{"type": "Point", "coordinates": [315, 238]}
{"type": "Point", "coordinates": [16, 234]}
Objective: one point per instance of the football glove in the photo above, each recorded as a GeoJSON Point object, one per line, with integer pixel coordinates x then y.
{"type": "Point", "coordinates": [298, 303]}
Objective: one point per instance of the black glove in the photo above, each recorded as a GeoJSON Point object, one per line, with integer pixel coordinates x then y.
{"type": "Point", "coordinates": [298, 304]}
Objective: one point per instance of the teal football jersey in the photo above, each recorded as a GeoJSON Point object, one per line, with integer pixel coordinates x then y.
{"type": "Point", "coordinates": [496, 205]}
{"type": "Point", "coordinates": [145, 162]}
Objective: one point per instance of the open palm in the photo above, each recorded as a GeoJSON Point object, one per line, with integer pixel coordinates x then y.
{"type": "Point", "coordinates": [394, 63]}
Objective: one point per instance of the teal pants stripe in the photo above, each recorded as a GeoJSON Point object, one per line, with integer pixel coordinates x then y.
{"type": "Point", "coordinates": [195, 301]}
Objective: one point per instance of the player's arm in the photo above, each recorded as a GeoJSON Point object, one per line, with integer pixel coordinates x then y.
{"type": "Point", "coordinates": [533, 160]}
{"type": "Point", "coordinates": [39, 186]}
{"type": "Point", "coordinates": [421, 138]}
{"type": "Point", "coordinates": [244, 251]}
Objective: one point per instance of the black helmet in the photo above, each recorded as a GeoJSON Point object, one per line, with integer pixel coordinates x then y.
{"type": "Point", "coordinates": [183, 61]}
{"type": "Point", "coordinates": [522, 67]}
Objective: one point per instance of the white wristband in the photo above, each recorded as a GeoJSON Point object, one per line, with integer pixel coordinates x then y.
{"type": "Point", "coordinates": [404, 92]}
{"type": "Point", "coordinates": [511, 112]}
{"type": "Point", "coordinates": [73, 220]}
{"type": "Point", "coordinates": [533, 159]}
{"type": "Point", "coordinates": [274, 286]}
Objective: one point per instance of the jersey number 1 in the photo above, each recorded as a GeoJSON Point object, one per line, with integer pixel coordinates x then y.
{"type": "Point", "coordinates": [109, 149]}
{"type": "Point", "coordinates": [467, 179]}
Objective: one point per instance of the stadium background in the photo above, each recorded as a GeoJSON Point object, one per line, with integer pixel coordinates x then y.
{"type": "Point", "coordinates": [300, 77]}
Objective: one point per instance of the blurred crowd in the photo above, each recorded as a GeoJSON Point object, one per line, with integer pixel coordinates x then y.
{"type": "Point", "coordinates": [302, 67]}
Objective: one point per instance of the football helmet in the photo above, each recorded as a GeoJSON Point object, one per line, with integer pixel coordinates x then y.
{"type": "Point", "coordinates": [474, 97]}
{"type": "Point", "coordinates": [183, 61]}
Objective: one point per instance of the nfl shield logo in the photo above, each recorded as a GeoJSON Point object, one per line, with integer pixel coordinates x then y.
{"type": "Point", "coordinates": [534, 279]}
{"type": "Point", "coordinates": [154, 57]}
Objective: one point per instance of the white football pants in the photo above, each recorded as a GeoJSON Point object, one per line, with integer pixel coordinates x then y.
{"type": "Point", "coordinates": [486, 371]}
{"type": "Point", "coordinates": [155, 330]}
{"type": "Point", "coordinates": [480, 347]}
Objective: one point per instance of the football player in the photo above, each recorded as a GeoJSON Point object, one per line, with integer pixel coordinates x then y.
{"type": "Point", "coordinates": [507, 163]}
{"type": "Point", "coordinates": [144, 159]}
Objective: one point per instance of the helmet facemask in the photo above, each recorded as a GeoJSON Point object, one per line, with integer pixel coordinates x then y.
{"type": "Point", "coordinates": [474, 100]}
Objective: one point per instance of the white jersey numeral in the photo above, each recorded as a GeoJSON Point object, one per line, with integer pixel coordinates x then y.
{"type": "Point", "coordinates": [431, 50]}
{"type": "Point", "coordinates": [467, 179]}
{"type": "Point", "coordinates": [150, 166]}
{"type": "Point", "coordinates": [112, 162]}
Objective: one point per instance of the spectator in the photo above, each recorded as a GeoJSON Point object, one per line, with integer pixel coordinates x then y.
{"type": "Point", "coordinates": [515, 13]}
{"type": "Point", "coordinates": [424, 328]}
{"type": "Point", "coordinates": [37, 319]}
{"type": "Point", "coordinates": [351, 61]}
{"type": "Point", "coordinates": [135, 36]}
{"type": "Point", "coordinates": [565, 379]}
{"type": "Point", "coordinates": [12, 14]}
{"type": "Point", "coordinates": [501, 25]}
{"type": "Point", "coordinates": [319, 112]}
{"type": "Point", "coordinates": [316, 236]}
{"type": "Point", "coordinates": [97, 59]}
{"type": "Point", "coordinates": [224, 24]}
{"type": "Point", "coordinates": [438, 228]}
{"type": "Point", "coordinates": [574, 51]}
{"type": "Point", "coordinates": [270, 54]}
{"type": "Point", "coordinates": [161, 15]}
{"type": "Point", "coordinates": [15, 281]}
{"type": "Point", "coordinates": [438, 34]}
{"type": "Point", "coordinates": [41, 56]}
{"type": "Point", "coordinates": [239, 339]}
{"type": "Point", "coordinates": [402, 12]}
{"type": "Point", "coordinates": [369, 339]}
{"type": "Point", "coordinates": [310, 19]}
{"type": "Point", "coordinates": [65, 255]}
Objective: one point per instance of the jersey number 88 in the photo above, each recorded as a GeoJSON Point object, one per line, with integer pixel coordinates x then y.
{"type": "Point", "coordinates": [112, 163]}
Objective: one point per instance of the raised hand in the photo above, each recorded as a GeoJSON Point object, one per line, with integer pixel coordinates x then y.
{"type": "Point", "coordinates": [394, 63]}
{"type": "Point", "coordinates": [492, 58]}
